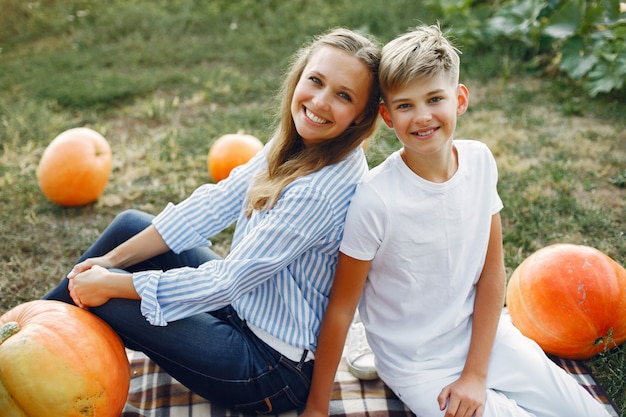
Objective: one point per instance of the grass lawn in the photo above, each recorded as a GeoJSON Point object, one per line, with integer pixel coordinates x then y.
{"type": "Point", "coordinates": [162, 80]}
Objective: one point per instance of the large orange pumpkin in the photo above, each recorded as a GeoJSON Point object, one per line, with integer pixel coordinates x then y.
{"type": "Point", "coordinates": [59, 360]}
{"type": "Point", "coordinates": [570, 299]}
{"type": "Point", "coordinates": [75, 167]}
{"type": "Point", "coordinates": [229, 151]}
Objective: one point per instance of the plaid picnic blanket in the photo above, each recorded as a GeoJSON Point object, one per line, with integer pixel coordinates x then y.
{"type": "Point", "coordinates": [153, 393]}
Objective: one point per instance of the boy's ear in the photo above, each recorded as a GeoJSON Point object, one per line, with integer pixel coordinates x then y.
{"type": "Point", "coordinates": [462, 98]}
{"type": "Point", "coordinates": [384, 113]}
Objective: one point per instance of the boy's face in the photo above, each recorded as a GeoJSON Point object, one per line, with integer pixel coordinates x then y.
{"type": "Point", "coordinates": [423, 113]}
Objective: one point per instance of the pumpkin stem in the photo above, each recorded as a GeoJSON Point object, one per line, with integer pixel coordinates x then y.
{"type": "Point", "coordinates": [7, 330]}
{"type": "Point", "coordinates": [606, 340]}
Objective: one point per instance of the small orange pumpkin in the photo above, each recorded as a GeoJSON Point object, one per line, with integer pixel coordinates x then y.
{"type": "Point", "coordinates": [59, 360]}
{"type": "Point", "coordinates": [570, 299]}
{"type": "Point", "coordinates": [229, 151]}
{"type": "Point", "coordinates": [75, 167]}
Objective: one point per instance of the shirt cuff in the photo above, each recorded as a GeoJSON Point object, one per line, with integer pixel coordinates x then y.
{"type": "Point", "coordinates": [146, 285]}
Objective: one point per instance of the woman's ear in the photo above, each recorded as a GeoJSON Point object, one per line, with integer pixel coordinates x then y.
{"type": "Point", "coordinates": [384, 113]}
{"type": "Point", "coordinates": [462, 98]}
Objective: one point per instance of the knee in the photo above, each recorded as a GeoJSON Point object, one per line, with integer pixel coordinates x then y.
{"type": "Point", "coordinates": [124, 226]}
{"type": "Point", "coordinates": [132, 220]}
{"type": "Point", "coordinates": [132, 216]}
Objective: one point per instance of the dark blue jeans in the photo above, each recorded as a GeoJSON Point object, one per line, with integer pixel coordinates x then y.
{"type": "Point", "coordinates": [214, 354]}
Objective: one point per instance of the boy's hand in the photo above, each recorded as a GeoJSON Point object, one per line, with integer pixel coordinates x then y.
{"type": "Point", "coordinates": [465, 397]}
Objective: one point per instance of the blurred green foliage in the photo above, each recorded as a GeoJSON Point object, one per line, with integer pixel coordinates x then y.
{"type": "Point", "coordinates": [583, 39]}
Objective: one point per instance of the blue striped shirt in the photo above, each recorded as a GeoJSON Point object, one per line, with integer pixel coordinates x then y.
{"type": "Point", "coordinates": [280, 267]}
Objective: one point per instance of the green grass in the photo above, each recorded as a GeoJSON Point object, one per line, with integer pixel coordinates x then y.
{"type": "Point", "coordinates": [162, 79]}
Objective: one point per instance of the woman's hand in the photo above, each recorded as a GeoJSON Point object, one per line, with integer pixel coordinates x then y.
{"type": "Point", "coordinates": [88, 286]}
{"type": "Point", "coordinates": [88, 264]}
{"type": "Point", "coordinates": [97, 285]}
{"type": "Point", "coordinates": [465, 397]}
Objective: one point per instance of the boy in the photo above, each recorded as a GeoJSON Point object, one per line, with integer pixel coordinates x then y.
{"type": "Point", "coordinates": [422, 257]}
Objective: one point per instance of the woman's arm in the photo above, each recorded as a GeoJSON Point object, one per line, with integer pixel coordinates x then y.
{"type": "Point", "coordinates": [207, 211]}
{"type": "Point", "coordinates": [90, 282]}
{"type": "Point", "coordinates": [144, 245]}
{"type": "Point", "coordinates": [468, 392]}
{"type": "Point", "coordinates": [346, 291]}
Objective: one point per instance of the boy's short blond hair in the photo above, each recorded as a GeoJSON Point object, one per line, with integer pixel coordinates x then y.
{"type": "Point", "coordinates": [422, 52]}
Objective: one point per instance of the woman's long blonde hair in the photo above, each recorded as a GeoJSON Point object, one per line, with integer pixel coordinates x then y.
{"type": "Point", "coordinates": [288, 158]}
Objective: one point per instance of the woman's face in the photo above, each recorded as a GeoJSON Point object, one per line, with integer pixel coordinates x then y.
{"type": "Point", "coordinates": [330, 95]}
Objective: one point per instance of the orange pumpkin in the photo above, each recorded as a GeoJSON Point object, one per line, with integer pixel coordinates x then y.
{"type": "Point", "coordinates": [230, 151]}
{"type": "Point", "coordinates": [570, 299]}
{"type": "Point", "coordinates": [75, 167]}
{"type": "Point", "coordinates": [59, 360]}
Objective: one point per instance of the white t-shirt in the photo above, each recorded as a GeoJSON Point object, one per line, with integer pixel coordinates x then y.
{"type": "Point", "coordinates": [428, 243]}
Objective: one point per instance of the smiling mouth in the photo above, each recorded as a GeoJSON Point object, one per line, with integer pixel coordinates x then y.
{"type": "Point", "coordinates": [425, 133]}
{"type": "Point", "coordinates": [315, 118]}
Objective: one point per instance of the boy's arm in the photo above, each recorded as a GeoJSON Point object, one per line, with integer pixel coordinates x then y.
{"type": "Point", "coordinates": [346, 291]}
{"type": "Point", "coordinates": [469, 391]}
{"type": "Point", "coordinates": [488, 304]}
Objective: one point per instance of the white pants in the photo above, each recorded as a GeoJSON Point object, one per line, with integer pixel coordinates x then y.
{"type": "Point", "coordinates": [522, 382]}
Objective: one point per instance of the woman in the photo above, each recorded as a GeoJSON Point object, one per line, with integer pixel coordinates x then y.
{"type": "Point", "coordinates": [242, 331]}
